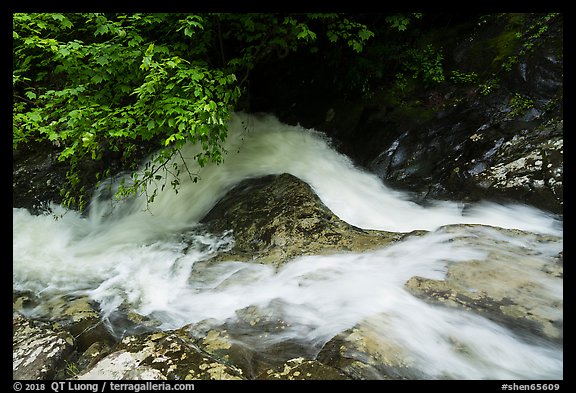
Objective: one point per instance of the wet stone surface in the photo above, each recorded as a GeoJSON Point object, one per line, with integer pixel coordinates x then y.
{"type": "Point", "coordinates": [513, 286]}
{"type": "Point", "coordinates": [38, 349]}
{"type": "Point", "coordinates": [276, 218]}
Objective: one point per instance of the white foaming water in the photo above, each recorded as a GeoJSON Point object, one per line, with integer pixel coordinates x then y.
{"type": "Point", "coordinates": [153, 261]}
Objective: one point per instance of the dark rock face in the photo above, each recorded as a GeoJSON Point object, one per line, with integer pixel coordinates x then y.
{"type": "Point", "coordinates": [276, 218]}
{"type": "Point", "coordinates": [473, 152]}
{"type": "Point", "coordinates": [453, 141]}
{"type": "Point", "coordinates": [36, 177]}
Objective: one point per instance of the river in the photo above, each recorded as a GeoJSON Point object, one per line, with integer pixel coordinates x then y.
{"type": "Point", "coordinates": [146, 258]}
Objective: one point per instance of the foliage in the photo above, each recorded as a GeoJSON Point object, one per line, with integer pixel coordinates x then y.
{"type": "Point", "coordinates": [520, 104]}
{"type": "Point", "coordinates": [399, 58]}
{"type": "Point", "coordinates": [465, 78]}
{"type": "Point", "coordinates": [417, 66]}
{"type": "Point", "coordinates": [101, 85]}
{"type": "Point", "coordinates": [426, 63]}
{"type": "Point", "coordinates": [489, 86]}
{"type": "Point", "coordinates": [529, 38]}
{"type": "Point", "coordinates": [72, 370]}
{"type": "Point", "coordinates": [401, 22]}
{"type": "Point", "coordinates": [522, 33]}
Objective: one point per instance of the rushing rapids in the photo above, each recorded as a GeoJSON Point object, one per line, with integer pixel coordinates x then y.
{"type": "Point", "coordinates": [131, 256]}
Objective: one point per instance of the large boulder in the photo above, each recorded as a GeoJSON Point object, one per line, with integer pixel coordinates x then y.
{"type": "Point", "coordinates": [276, 218]}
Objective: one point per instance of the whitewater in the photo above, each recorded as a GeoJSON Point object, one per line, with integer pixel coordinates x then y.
{"type": "Point", "coordinates": [130, 255]}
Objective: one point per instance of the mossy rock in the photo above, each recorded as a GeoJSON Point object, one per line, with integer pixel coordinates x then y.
{"type": "Point", "coordinates": [279, 217]}
{"type": "Point", "coordinates": [513, 286]}
{"type": "Point", "coordinates": [161, 355]}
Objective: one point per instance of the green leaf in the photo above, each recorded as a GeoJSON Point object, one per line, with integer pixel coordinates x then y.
{"type": "Point", "coordinates": [101, 30]}
{"type": "Point", "coordinates": [188, 32]}
{"type": "Point", "coordinates": [365, 34]}
{"type": "Point", "coordinates": [66, 23]}
{"type": "Point", "coordinates": [145, 63]}
{"type": "Point", "coordinates": [150, 50]}
{"type": "Point", "coordinates": [70, 150]}
{"type": "Point", "coordinates": [102, 60]}
{"type": "Point", "coordinates": [332, 37]}
{"type": "Point", "coordinates": [64, 51]}
{"type": "Point", "coordinates": [97, 78]}
{"type": "Point", "coordinates": [34, 116]}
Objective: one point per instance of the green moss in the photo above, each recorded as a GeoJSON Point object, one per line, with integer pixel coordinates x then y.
{"type": "Point", "coordinates": [505, 45]}
{"type": "Point", "coordinates": [488, 55]}
{"type": "Point", "coordinates": [406, 106]}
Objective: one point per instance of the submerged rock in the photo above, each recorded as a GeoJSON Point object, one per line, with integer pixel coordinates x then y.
{"type": "Point", "coordinates": [513, 285]}
{"type": "Point", "coordinates": [79, 316]}
{"type": "Point", "coordinates": [254, 341]}
{"type": "Point", "coordinates": [276, 218]}
{"type": "Point", "coordinates": [363, 352]}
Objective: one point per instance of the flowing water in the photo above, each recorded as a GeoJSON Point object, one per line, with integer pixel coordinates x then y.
{"type": "Point", "coordinates": [149, 259]}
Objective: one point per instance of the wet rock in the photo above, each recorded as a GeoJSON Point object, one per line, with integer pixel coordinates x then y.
{"type": "Point", "coordinates": [447, 140]}
{"type": "Point", "coordinates": [36, 177]}
{"type": "Point", "coordinates": [38, 349]}
{"type": "Point", "coordinates": [470, 154]}
{"type": "Point", "coordinates": [513, 285]}
{"type": "Point", "coordinates": [363, 352]}
{"type": "Point", "coordinates": [93, 354]}
{"type": "Point", "coordinates": [254, 340]}
{"type": "Point", "coordinates": [528, 165]}
{"type": "Point", "coordinates": [79, 316]}
{"type": "Point", "coordinates": [215, 340]}
{"type": "Point", "coordinates": [160, 355]}
{"type": "Point", "coordinates": [21, 300]}
{"type": "Point", "coordinates": [276, 218]}
{"type": "Point", "coordinates": [82, 319]}
{"type": "Point", "coordinates": [302, 369]}
{"type": "Point", "coordinates": [236, 343]}
{"type": "Point", "coordinates": [119, 365]}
